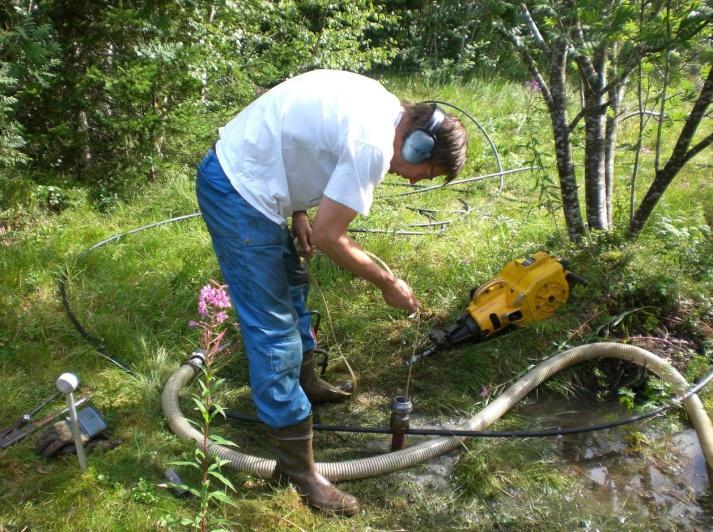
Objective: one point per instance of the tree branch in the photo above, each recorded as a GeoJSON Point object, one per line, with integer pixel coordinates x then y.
{"type": "Point", "coordinates": [583, 60]}
{"type": "Point", "coordinates": [681, 154]}
{"type": "Point", "coordinates": [642, 50]}
{"type": "Point", "coordinates": [634, 60]}
{"type": "Point", "coordinates": [579, 116]}
{"type": "Point", "coordinates": [531, 64]}
{"type": "Point", "coordinates": [702, 145]}
{"type": "Point", "coordinates": [576, 120]}
{"type": "Point", "coordinates": [534, 30]}
{"type": "Point", "coordinates": [683, 35]}
{"type": "Point", "coordinates": [694, 119]}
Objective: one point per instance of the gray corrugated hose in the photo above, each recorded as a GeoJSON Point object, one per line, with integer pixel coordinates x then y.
{"type": "Point", "coordinates": [387, 463]}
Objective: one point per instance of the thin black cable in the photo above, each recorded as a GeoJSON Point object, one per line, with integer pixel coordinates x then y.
{"type": "Point", "coordinates": [95, 342]}
{"type": "Point", "coordinates": [499, 434]}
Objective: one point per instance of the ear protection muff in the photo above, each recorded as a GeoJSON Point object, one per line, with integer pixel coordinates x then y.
{"type": "Point", "coordinates": [418, 145]}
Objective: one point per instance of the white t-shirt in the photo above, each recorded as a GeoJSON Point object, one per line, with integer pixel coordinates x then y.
{"type": "Point", "coordinates": [325, 132]}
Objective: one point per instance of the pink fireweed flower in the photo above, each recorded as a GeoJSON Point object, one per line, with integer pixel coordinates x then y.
{"type": "Point", "coordinates": [192, 324]}
{"type": "Point", "coordinates": [205, 291]}
{"type": "Point", "coordinates": [220, 299]}
{"type": "Point", "coordinates": [212, 298]}
{"type": "Point", "coordinates": [533, 85]}
{"type": "Point", "coordinates": [484, 392]}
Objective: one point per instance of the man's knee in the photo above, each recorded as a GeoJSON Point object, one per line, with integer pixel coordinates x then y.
{"type": "Point", "coordinates": [275, 384]}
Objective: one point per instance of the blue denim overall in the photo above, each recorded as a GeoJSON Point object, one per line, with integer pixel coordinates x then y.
{"type": "Point", "coordinates": [268, 287]}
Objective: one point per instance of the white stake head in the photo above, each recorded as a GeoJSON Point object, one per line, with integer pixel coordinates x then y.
{"type": "Point", "coordinates": [67, 383]}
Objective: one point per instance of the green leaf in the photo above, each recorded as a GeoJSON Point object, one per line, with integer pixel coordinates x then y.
{"type": "Point", "coordinates": [221, 462]}
{"type": "Point", "coordinates": [185, 464]}
{"type": "Point", "coordinates": [174, 485]}
{"type": "Point", "coordinates": [222, 478]}
{"type": "Point", "coordinates": [219, 409]}
{"type": "Point", "coordinates": [222, 497]}
{"type": "Point", "coordinates": [202, 409]}
{"type": "Point", "coordinates": [193, 491]}
{"type": "Point", "coordinates": [222, 441]}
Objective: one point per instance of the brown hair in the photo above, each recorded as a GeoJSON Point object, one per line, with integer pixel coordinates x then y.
{"type": "Point", "coordinates": [451, 140]}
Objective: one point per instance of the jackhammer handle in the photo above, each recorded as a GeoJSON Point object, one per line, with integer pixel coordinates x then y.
{"type": "Point", "coordinates": [19, 434]}
{"type": "Point", "coordinates": [423, 353]}
{"type": "Point", "coordinates": [19, 422]}
{"type": "Point", "coordinates": [27, 417]}
{"type": "Point", "coordinates": [573, 279]}
{"type": "Point", "coordinates": [42, 405]}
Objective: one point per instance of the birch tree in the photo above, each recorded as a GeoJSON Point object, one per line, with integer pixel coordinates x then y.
{"type": "Point", "coordinates": [600, 44]}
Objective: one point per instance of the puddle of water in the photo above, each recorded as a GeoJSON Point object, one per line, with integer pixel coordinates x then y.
{"type": "Point", "coordinates": [672, 490]}
{"type": "Point", "coordinates": [436, 474]}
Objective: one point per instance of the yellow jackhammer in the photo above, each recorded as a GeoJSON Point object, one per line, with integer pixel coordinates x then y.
{"type": "Point", "coordinates": [525, 291]}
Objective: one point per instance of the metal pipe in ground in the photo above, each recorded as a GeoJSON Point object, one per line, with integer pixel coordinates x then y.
{"type": "Point", "coordinates": [401, 407]}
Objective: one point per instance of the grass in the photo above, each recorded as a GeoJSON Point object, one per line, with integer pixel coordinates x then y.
{"type": "Point", "coordinates": [138, 294]}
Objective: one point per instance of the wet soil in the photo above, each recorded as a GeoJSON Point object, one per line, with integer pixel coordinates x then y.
{"type": "Point", "coordinates": [663, 479]}
{"type": "Point", "coordinates": [658, 482]}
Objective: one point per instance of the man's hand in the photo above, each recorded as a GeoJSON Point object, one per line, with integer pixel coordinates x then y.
{"type": "Point", "coordinates": [302, 229]}
{"type": "Point", "coordinates": [330, 236]}
{"type": "Point", "coordinates": [399, 294]}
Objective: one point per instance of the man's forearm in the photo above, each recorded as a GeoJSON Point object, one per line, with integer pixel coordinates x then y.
{"type": "Point", "coordinates": [349, 255]}
{"type": "Point", "coordinates": [330, 235]}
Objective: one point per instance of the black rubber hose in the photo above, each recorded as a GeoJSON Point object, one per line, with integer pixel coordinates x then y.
{"type": "Point", "coordinates": [499, 434]}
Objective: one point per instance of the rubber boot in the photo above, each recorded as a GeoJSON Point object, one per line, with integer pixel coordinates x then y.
{"type": "Point", "coordinates": [295, 464]}
{"type": "Point", "coordinates": [318, 390]}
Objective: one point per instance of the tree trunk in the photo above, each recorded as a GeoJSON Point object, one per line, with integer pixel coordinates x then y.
{"type": "Point", "coordinates": [563, 146]}
{"type": "Point", "coordinates": [616, 95]}
{"type": "Point", "coordinates": [595, 123]}
{"type": "Point", "coordinates": [680, 156]}
{"type": "Point", "coordinates": [86, 149]}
